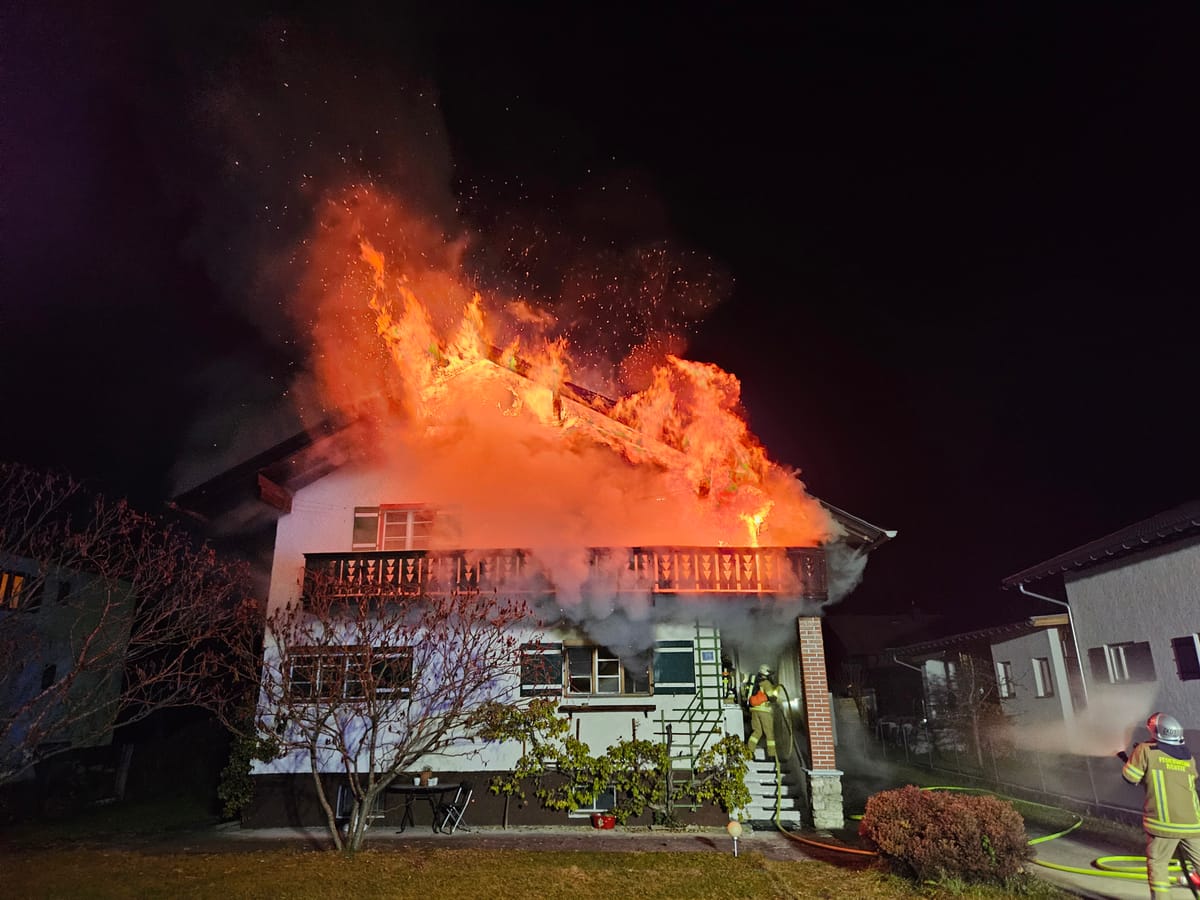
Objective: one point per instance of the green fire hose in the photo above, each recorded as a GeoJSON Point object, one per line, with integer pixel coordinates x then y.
{"type": "Point", "coordinates": [1128, 867]}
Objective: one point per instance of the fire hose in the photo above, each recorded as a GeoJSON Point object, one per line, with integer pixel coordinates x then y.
{"type": "Point", "coordinates": [1128, 867]}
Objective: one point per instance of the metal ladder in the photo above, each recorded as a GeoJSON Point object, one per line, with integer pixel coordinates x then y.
{"type": "Point", "coordinates": [691, 729]}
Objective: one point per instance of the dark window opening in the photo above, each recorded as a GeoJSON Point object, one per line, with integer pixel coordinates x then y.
{"type": "Point", "coordinates": [1187, 656]}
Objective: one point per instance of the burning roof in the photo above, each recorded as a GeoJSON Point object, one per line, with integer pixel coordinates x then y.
{"type": "Point", "coordinates": [481, 409]}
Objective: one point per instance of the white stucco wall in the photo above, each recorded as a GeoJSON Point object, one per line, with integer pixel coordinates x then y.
{"type": "Point", "coordinates": [1154, 597]}
{"type": "Point", "coordinates": [321, 521]}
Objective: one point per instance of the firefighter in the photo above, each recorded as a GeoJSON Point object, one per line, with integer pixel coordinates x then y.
{"type": "Point", "coordinates": [760, 697]}
{"type": "Point", "coordinates": [1171, 818]}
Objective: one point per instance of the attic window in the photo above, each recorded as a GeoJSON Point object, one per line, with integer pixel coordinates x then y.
{"type": "Point", "coordinates": [397, 526]}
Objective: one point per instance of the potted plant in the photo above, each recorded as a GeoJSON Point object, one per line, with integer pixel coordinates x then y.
{"type": "Point", "coordinates": [426, 774]}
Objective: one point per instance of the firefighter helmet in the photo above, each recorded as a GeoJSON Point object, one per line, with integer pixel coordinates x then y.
{"type": "Point", "coordinates": [764, 669]}
{"type": "Point", "coordinates": [1165, 729]}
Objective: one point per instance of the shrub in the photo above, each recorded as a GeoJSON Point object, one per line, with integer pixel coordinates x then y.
{"type": "Point", "coordinates": [936, 835]}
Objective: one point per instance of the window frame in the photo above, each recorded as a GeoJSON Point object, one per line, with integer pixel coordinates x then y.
{"type": "Point", "coordinates": [603, 666]}
{"type": "Point", "coordinates": [337, 662]}
{"type": "Point", "coordinates": [1117, 657]}
{"type": "Point", "coordinates": [1187, 669]}
{"type": "Point", "coordinates": [541, 669]}
{"type": "Point", "coordinates": [1043, 677]}
{"type": "Point", "coordinates": [601, 795]}
{"type": "Point", "coordinates": [399, 527]}
{"type": "Point", "coordinates": [1004, 680]}
{"type": "Point", "coordinates": [12, 588]}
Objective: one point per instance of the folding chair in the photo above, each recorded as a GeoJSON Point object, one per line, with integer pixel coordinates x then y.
{"type": "Point", "coordinates": [450, 815]}
{"type": "Point", "coordinates": [345, 804]}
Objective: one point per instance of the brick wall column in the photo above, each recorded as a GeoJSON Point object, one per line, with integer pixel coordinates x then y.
{"type": "Point", "coordinates": [824, 779]}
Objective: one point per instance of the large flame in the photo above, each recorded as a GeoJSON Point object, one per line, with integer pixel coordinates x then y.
{"type": "Point", "coordinates": [479, 399]}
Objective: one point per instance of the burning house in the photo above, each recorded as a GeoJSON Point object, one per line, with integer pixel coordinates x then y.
{"type": "Point", "coordinates": [664, 556]}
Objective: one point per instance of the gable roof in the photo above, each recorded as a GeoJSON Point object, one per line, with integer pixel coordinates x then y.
{"type": "Point", "coordinates": [981, 636]}
{"type": "Point", "coordinates": [276, 473]}
{"type": "Point", "coordinates": [1182, 521]}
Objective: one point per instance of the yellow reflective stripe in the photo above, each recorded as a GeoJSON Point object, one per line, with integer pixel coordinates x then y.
{"type": "Point", "coordinates": [1160, 795]}
{"type": "Point", "coordinates": [1133, 773]}
{"type": "Point", "coordinates": [1184, 830]}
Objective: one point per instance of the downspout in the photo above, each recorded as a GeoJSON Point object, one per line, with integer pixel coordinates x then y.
{"type": "Point", "coordinates": [1074, 637]}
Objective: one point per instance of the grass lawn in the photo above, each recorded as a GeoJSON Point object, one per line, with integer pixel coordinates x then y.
{"type": "Point", "coordinates": [439, 874]}
{"type": "Point", "coordinates": [95, 854]}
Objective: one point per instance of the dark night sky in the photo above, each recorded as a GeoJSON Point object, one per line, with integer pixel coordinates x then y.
{"type": "Point", "coordinates": [962, 243]}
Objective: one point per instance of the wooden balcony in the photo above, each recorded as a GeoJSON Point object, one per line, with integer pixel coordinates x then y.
{"type": "Point", "coordinates": [792, 573]}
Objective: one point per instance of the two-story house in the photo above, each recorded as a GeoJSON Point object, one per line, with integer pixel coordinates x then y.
{"type": "Point", "coordinates": [648, 614]}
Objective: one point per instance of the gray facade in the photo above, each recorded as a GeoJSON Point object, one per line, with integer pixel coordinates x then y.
{"type": "Point", "coordinates": [1031, 673]}
{"type": "Point", "coordinates": [1134, 616]}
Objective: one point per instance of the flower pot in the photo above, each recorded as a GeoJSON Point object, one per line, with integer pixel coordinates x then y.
{"type": "Point", "coordinates": [604, 820]}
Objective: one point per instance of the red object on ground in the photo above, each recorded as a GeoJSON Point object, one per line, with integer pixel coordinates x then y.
{"type": "Point", "coordinates": [603, 820]}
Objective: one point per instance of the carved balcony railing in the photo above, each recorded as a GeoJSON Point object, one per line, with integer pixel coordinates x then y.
{"type": "Point", "coordinates": [783, 572]}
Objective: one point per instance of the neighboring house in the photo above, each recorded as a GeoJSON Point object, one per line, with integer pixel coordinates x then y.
{"type": "Point", "coordinates": [365, 523]}
{"type": "Point", "coordinates": [1134, 598]}
{"type": "Point", "coordinates": [971, 679]}
{"type": "Point", "coordinates": [1037, 673]}
{"type": "Point", "coordinates": [47, 704]}
{"type": "Point", "coordinates": [862, 667]}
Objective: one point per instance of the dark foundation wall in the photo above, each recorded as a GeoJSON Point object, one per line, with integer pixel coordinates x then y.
{"type": "Point", "coordinates": [282, 801]}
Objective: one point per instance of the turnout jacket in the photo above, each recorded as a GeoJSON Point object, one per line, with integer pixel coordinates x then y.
{"type": "Point", "coordinates": [1172, 806]}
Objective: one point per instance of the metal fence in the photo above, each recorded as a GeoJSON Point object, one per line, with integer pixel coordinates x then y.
{"type": "Point", "coordinates": [1087, 784]}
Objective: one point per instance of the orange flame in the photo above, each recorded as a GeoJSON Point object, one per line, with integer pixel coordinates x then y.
{"type": "Point", "coordinates": [698, 474]}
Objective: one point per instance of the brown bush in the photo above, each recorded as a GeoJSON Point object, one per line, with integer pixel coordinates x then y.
{"type": "Point", "coordinates": [935, 835]}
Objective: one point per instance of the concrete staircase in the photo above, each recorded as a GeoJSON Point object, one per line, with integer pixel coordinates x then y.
{"type": "Point", "coordinates": [765, 790]}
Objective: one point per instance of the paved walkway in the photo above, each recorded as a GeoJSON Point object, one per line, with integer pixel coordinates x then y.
{"type": "Point", "coordinates": [1080, 850]}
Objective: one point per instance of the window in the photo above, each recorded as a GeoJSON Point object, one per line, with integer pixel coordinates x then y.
{"type": "Point", "coordinates": [349, 673]}
{"type": "Point", "coordinates": [541, 669]}
{"type": "Point", "coordinates": [1187, 656]}
{"type": "Point", "coordinates": [1119, 663]}
{"type": "Point", "coordinates": [11, 586]}
{"type": "Point", "coordinates": [1004, 680]}
{"type": "Point", "coordinates": [597, 670]}
{"type": "Point", "coordinates": [400, 526]}
{"type": "Point", "coordinates": [674, 667]}
{"type": "Point", "coordinates": [601, 802]}
{"type": "Point", "coordinates": [1043, 681]}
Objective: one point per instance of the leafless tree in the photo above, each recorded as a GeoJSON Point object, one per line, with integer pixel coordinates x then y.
{"type": "Point", "coordinates": [968, 702]}
{"type": "Point", "coordinates": [107, 615]}
{"type": "Point", "coordinates": [368, 685]}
